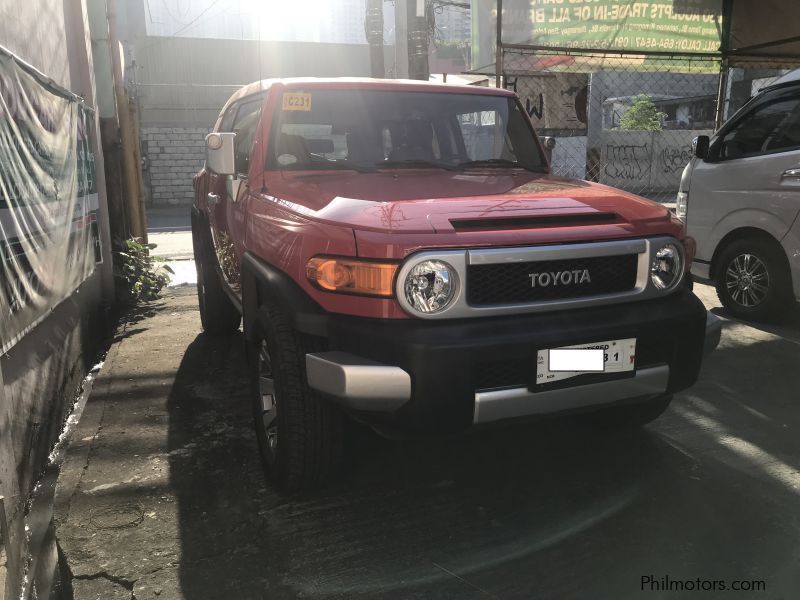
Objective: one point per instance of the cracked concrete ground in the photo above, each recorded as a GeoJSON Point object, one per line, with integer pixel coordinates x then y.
{"type": "Point", "coordinates": [162, 496]}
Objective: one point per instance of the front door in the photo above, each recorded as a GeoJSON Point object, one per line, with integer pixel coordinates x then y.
{"type": "Point", "coordinates": [753, 169]}
{"type": "Point", "coordinates": [227, 194]}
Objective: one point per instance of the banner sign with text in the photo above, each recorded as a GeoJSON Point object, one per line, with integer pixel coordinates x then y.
{"type": "Point", "coordinates": [48, 198]}
{"type": "Point", "coordinates": [598, 25]}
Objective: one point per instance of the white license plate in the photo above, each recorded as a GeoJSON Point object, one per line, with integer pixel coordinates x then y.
{"type": "Point", "coordinates": [619, 356]}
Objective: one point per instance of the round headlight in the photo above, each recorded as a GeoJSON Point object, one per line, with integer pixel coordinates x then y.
{"type": "Point", "coordinates": [430, 286]}
{"type": "Point", "coordinates": [667, 267]}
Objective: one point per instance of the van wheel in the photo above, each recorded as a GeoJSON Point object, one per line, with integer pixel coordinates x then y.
{"type": "Point", "coordinates": [218, 314]}
{"type": "Point", "coordinates": [299, 435]}
{"type": "Point", "coordinates": [752, 280]}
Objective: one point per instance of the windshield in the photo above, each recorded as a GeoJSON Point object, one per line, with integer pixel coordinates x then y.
{"type": "Point", "coordinates": [367, 130]}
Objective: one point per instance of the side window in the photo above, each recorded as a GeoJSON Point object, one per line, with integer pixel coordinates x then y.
{"type": "Point", "coordinates": [227, 120]}
{"type": "Point", "coordinates": [772, 126]}
{"type": "Point", "coordinates": [244, 126]}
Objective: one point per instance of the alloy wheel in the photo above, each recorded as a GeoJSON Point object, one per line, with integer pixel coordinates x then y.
{"type": "Point", "coordinates": [747, 280]}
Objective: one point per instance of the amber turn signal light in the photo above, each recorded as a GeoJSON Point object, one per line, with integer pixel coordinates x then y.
{"type": "Point", "coordinates": [351, 276]}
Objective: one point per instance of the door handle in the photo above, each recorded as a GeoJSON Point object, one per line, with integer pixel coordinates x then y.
{"type": "Point", "coordinates": [213, 199]}
{"type": "Point", "coordinates": [791, 174]}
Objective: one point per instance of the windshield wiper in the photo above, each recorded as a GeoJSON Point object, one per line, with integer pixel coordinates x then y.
{"type": "Point", "coordinates": [330, 165]}
{"type": "Point", "coordinates": [347, 164]}
{"type": "Point", "coordinates": [388, 164]}
{"type": "Point", "coordinates": [499, 162]}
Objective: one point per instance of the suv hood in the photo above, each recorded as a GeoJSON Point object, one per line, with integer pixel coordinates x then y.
{"type": "Point", "coordinates": [426, 201]}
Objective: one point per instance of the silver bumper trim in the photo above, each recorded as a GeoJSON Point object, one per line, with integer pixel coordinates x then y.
{"type": "Point", "coordinates": [358, 383]}
{"type": "Point", "coordinates": [518, 402]}
{"type": "Point", "coordinates": [713, 333]}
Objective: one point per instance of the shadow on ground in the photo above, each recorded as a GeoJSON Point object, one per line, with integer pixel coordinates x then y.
{"type": "Point", "coordinates": [552, 510]}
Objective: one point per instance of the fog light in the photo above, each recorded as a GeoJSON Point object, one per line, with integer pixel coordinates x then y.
{"type": "Point", "coordinates": [430, 286]}
{"type": "Point", "coordinates": [667, 267]}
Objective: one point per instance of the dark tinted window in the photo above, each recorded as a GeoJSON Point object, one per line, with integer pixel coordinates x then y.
{"type": "Point", "coordinates": [227, 120]}
{"type": "Point", "coordinates": [245, 126]}
{"type": "Point", "coordinates": [328, 129]}
{"type": "Point", "coordinates": [772, 125]}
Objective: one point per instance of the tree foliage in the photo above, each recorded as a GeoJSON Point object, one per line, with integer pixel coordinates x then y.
{"type": "Point", "coordinates": [642, 115]}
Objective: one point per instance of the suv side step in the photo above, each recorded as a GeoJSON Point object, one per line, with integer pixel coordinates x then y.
{"type": "Point", "coordinates": [358, 383]}
{"type": "Point", "coordinates": [518, 402]}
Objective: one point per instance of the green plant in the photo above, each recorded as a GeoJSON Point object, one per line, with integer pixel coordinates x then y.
{"type": "Point", "coordinates": [139, 276]}
{"type": "Point", "coordinates": [642, 115]}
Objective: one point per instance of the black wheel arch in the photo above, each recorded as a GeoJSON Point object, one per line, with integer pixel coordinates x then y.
{"type": "Point", "coordinates": [265, 284]}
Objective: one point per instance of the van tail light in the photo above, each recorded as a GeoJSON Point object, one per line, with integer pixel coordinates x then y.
{"type": "Point", "coordinates": [690, 249]}
{"type": "Point", "coordinates": [351, 276]}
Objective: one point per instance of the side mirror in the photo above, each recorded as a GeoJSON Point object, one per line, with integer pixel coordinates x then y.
{"type": "Point", "coordinates": [219, 153]}
{"type": "Point", "coordinates": [549, 142]}
{"type": "Point", "coordinates": [700, 146]}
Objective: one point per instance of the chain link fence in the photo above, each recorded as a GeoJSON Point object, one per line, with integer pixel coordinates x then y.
{"type": "Point", "coordinates": [751, 75]}
{"type": "Point", "coordinates": [628, 121]}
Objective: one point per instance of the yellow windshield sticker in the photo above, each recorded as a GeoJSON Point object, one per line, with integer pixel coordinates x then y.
{"type": "Point", "coordinates": [297, 101]}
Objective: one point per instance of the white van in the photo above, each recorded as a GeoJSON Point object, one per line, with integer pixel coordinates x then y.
{"type": "Point", "coordinates": [740, 198]}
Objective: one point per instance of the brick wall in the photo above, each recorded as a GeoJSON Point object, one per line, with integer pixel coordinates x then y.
{"type": "Point", "coordinates": [172, 155]}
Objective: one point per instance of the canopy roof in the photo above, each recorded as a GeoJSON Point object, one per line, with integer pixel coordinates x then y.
{"type": "Point", "coordinates": [764, 29]}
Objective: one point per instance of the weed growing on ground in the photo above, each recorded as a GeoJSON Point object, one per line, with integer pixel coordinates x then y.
{"type": "Point", "coordinates": [139, 275]}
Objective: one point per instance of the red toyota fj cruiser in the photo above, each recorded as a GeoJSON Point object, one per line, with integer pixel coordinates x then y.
{"type": "Point", "coordinates": [399, 252]}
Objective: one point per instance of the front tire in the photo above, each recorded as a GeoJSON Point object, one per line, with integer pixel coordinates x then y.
{"type": "Point", "coordinates": [218, 313]}
{"type": "Point", "coordinates": [752, 280]}
{"type": "Point", "coordinates": [300, 436]}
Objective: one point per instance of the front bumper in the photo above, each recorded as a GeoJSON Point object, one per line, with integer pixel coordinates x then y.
{"type": "Point", "coordinates": [422, 376]}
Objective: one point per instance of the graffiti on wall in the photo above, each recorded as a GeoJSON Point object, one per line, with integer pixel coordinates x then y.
{"type": "Point", "coordinates": [674, 159]}
{"type": "Point", "coordinates": [645, 160]}
{"type": "Point", "coordinates": [627, 161]}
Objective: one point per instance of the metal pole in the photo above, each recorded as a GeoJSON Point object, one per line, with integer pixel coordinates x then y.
{"type": "Point", "coordinates": [400, 40]}
{"type": "Point", "coordinates": [374, 27]}
{"type": "Point", "coordinates": [725, 42]}
{"type": "Point", "coordinates": [132, 174]}
{"type": "Point", "coordinates": [137, 156]}
{"type": "Point", "coordinates": [498, 67]}
{"type": "Point", "coordinates": [722, 92]}
{"type": "Point", "coordinates": [417, 40]}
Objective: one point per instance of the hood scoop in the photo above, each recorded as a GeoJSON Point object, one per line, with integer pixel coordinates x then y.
{"type": "Point", "coordinates": [535, 222]}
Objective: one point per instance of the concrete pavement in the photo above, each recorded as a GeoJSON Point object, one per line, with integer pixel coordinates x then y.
{"type": "Point", "coordinates": [162, 495]}
{"type": "Point", "coordinates": [170, 230]}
